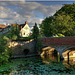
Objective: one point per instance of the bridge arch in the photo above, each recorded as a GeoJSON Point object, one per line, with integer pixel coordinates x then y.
{"type": "Point", "coordinates": [26, 51]}
{"type": "Point", "coordinates": [46, 51]}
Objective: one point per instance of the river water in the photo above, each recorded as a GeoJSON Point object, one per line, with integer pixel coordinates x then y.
{"type": "Point", "coordinates": [49, 64]}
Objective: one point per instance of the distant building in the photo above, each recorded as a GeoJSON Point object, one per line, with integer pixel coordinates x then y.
{"type": "Point", "coordinates": [4, 28]}
{"type": "Point", "coordinates": [24, 29]}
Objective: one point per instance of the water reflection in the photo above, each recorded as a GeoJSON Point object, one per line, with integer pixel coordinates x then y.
{"type": "Point", "coordinates": [69, 63]}
{"type": "Point", "coordinates": [55, 57]}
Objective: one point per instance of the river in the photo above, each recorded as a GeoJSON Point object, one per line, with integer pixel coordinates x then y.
{"type": "Point", "coordinates": [49, 64]}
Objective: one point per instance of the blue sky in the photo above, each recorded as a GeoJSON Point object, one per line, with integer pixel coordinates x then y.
{"type": "Point", "coordinates": [31, 11]}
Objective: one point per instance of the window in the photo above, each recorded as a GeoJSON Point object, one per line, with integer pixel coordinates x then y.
{"type": "Point", "coordinates": [24, 33]}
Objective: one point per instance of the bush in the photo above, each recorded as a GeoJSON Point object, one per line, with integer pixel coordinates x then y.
{"type": "Point", "coordinates": [5, 51]}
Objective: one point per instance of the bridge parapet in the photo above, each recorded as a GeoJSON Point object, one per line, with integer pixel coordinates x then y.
{"type": "Point", "coordinates": [59, 41]}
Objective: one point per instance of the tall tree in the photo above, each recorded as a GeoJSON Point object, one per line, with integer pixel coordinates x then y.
{"type": "Point", "coordinates": [35, 35]}
{"type": "Point", "coordinates": [35, 31]}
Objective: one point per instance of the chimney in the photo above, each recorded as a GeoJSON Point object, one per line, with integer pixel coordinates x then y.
{"type": "Point", "coordinates": [6, 24]}
{"type": "Point", "coordinates": [25, 22]}
{"type": "Point", "coordinates": [21, 27]}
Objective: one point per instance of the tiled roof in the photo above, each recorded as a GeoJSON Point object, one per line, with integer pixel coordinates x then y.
{"type": "Point", "coordinates": [2, 26]}
{"type": "Point", "coordinates": [21, 25]}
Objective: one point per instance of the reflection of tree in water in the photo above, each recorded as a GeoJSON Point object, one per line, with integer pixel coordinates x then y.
{"type": "Point", "coordinates": [49, 53]}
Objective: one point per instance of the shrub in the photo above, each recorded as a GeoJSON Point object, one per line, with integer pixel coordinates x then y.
{"type": "Point", "coordinates": [5, 51]}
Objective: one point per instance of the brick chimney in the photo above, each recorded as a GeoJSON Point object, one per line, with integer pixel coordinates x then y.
{"type": "Point", "coordinates": [6, 24]}
{"type": "Point", "coordinates": [21, 27]}
{"type": "Point", "coordinates": [26, 22]}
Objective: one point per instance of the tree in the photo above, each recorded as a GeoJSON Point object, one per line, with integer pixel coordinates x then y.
{"type": "Point", "coordinates": [35, 31]}
{"type": "Point", "coordinates": [4, 51]}
{"type": "Point", "coordinates": [62, 22]}
{"type": "Point", "coordinates": [46, 27]}
{"type": "Point", "coordinates": [14, 33]}
{"type": "Point", "coordinates": [35, 35]}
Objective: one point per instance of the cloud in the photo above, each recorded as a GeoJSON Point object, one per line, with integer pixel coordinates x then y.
{"type": "Point", "coordinates": [6, 13]}
{"type": "Point", "coordinates": [20, 12]}
{"type": "Point", "coordinates": [12, 0]}
{"type": "Point", "coordinates": [50, 0]}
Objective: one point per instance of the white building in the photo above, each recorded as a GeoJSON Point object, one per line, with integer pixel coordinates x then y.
{"type": "Point", "coordinates": [24, 29]}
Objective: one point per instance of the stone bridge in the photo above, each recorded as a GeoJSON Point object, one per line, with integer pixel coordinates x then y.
{"type": "Point", "coordinates": [60, 44]}
{"type": "Point", "coordinates": [21, 48]}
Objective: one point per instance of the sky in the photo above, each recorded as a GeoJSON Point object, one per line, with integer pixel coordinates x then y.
{"type": "Point", "coordinates": [19, 11]}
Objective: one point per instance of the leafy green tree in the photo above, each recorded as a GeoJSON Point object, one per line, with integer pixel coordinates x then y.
{"type": "Point", "coordinates": [35, 35]}
{"type": "Point", "coordinates": [62, 22]}
{"type": "Point", "coordinates": [46, 27]}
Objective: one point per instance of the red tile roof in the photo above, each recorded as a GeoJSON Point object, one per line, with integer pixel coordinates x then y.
{"type": "Point", "coordinates": [2, 26]}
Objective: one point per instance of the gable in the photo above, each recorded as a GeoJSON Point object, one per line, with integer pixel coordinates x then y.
{"type": "Point", "coordinates": [26, 27]}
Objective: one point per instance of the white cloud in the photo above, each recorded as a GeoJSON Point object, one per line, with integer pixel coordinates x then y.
{"type": "Point", "coordinates": [23, 11]}
{"type": "Point", "coordinates": [12, 0]}
{"type": "Point", "coordinates": [6, 13]}
{"type": "Point", "coordinates": [50, 0]}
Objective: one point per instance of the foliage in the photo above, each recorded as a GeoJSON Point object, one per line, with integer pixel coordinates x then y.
{"type": "Point", "coordinates": [14, 32]}
{"type": "Point", "coordinates": [58, 35]}
{"type": "Point", "coordinates": [6, 38]}
{"type": "Point", "coordinates": [4, 51]}
{"type": "Point", "coordinates": [35, 31]}
{"type": "Point", "coordinates": [62, 22]}
{"type": "Point", "coordinates": [38, 44]}
{"type": "Point", "coordinates": [47, 27]}
{"type": "Point", "coordinates": [67, 9]}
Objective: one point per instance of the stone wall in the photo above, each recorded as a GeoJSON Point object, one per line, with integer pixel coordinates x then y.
{"type": "Point", "coordinates": [18, 47]}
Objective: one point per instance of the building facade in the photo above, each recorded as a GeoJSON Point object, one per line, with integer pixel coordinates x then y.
{"type": "Point", "coordinates": [24, 29]}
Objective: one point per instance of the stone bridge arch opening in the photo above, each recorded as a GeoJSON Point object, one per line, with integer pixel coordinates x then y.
{"type": "Point", "coordinates": [26, 51]}
{"type": "Point", "coordinates": [48, 52]}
